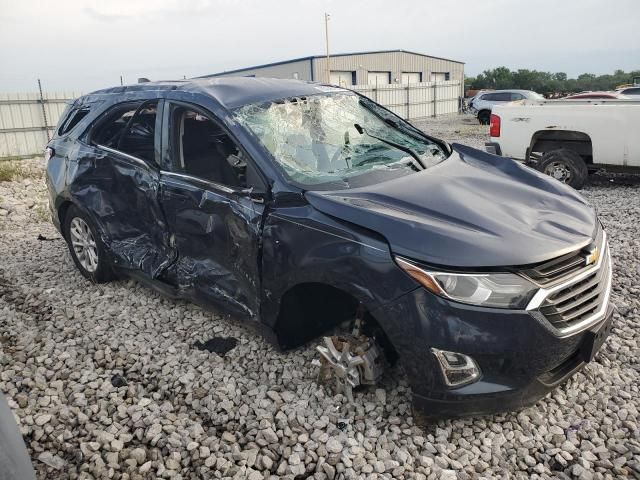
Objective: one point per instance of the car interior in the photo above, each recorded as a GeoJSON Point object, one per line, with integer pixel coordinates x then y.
{"type": "Point", "coordinates": [204, 150]}
{"type": "Point", "coordinates": [138, 140]}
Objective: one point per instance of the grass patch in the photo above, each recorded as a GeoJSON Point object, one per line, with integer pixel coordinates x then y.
{"type": "Point", "coordinates": [9, 171]}
{"type": "Point", "coordinates": [14, 170]}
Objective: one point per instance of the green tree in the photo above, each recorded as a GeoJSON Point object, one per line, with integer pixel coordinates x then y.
{"type": "Point", "coordinates": [547, 82]}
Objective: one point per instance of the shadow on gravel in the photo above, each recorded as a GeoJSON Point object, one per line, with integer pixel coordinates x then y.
{"type": "Point", "coordinates": [604, 178]}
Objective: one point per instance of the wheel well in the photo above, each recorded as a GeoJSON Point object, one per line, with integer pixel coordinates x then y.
{"type": "Point", "coordinates": [547, 140]}
{"type": "Point", "coordinates": [308, 310]}
{"type": "Point", "coordinates": [62, 213]}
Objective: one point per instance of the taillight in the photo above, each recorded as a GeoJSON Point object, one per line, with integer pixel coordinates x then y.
{"type": "Point", "coordinates": [494, 126]}
{"type": "Point", "coordinates": [48, 153]}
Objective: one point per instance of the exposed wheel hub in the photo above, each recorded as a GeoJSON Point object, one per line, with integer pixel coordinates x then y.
{"type": "Point", "coordinates": [559, 171]}
{"type": "Point", "coordinates": [351, 361]}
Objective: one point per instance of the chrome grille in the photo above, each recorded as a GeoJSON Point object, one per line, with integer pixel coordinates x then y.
{"type": "Point", "coordinates": [573, 297]}
{"type": "Point", "coordinates": [571, 305]}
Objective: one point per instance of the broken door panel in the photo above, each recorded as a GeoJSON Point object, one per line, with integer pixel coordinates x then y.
{"type": "Point", "coordinates": [217, 233]}
{"type": "Point", "coordinates": [122, 192]}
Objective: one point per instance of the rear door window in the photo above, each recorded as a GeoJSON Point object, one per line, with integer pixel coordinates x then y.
{"type": "Point", "coordinates": [502, 97]}
{"type": "Point", "coordinates": [129, 129]}
{"type": "Point", "coordinates": [497, 97]}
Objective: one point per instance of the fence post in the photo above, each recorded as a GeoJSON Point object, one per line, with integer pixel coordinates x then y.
{"type": "Point", "coordinates": [408, 103]}
{"type": "Point", "coordinates": [44, 112]}
{"type": "Point", "coordinates": [435, 99]}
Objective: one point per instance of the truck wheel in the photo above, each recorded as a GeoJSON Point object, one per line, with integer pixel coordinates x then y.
{"type": "Point", "coordinates": [484, 116]}
{"type": "Point", "coordinates": [565, 166]}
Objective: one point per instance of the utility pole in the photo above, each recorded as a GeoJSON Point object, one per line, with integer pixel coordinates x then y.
{"type": "Point", "coordinates": [326, 35]}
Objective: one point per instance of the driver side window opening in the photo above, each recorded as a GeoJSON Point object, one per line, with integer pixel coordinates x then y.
{"type": "Point", "coordinates": [203, 149]}
{"type": "Point", "coordinates": [129, 129]}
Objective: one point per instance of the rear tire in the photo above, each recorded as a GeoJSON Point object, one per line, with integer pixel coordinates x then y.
{"type": "Point", "coordinates": [565, 166]}
{"type": "Point", "coordinates": [85, 246]}
{"type": "Point", "coordinates": [484, 116]}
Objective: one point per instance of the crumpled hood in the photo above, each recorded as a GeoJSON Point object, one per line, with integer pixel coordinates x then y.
{"type": "Point", "coordinates": [472, 210]}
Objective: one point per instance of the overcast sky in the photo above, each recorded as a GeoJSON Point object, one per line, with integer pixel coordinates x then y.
{"type": "Point", "coordinates": [83, 44]}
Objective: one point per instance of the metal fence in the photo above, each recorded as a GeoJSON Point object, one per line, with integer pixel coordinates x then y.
{"type": "Point", "coordinates": [417, 100]}
{"type": "Point", "coordinates": [27, 121]}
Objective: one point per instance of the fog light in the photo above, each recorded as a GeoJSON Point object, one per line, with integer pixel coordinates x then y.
{"type": "Point", "coordinates": [457, 369]}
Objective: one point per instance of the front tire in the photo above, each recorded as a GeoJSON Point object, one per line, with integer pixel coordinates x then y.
{"type": "Point", "coordinates": [565, 166]}
{"type": "Point", "coordinates": [86, 247]}
{"type": "Point", "coordinates": [484, 116]}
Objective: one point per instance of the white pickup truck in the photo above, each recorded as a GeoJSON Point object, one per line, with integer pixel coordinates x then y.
{"type": "Point", "coordinates": [567, 139]}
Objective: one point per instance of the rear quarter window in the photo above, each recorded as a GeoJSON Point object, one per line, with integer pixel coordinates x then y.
{"type": "Point", "coordinates": [73, 118]}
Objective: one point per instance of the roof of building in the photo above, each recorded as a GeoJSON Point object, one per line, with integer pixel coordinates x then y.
{"type": "Point", "coordinates": [299, 59]}
{"type": "Point", "coordinates": [231, 92]}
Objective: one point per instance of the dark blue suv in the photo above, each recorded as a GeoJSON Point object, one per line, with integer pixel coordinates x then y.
{"type": "Point", "coordinates": [306, 209]}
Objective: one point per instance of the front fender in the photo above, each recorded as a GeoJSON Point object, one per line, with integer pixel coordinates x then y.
{"type": "Point", "coordinates": [303, 245]}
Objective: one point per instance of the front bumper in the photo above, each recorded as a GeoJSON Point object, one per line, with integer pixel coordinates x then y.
{"type": "Point", "coordinates": [520, 358]}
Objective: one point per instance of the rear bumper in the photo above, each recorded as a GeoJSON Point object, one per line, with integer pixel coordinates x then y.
{"type": "Point", "coordinates": [493, 147]}
{"type": "Point", "coordinates": [519, 358]}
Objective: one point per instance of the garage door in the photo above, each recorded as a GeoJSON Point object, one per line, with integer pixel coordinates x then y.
{"type": "Point", "coordinates": [343, 79]}
{"type": "Point", "coordinates": [379, 78]}
{"type": "Point", "coordinates": [411, 77]}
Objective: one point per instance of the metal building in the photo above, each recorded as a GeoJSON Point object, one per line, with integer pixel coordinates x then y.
{"type": "Point", "coordinates": [384, 67]}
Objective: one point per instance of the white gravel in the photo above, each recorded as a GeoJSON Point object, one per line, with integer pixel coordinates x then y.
{"type": "Point", "coordinates": [255, 413]}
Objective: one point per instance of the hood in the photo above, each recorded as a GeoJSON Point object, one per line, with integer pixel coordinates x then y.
{"type": "Point", "coordinates": [472, 210]}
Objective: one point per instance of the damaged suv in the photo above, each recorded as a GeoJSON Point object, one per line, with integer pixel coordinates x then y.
{"type": "Point", "coordinates": [303, 207]}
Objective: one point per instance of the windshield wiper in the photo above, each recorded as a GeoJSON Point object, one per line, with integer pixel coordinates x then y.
{"type": "Point", "coordinates": [408, 150]}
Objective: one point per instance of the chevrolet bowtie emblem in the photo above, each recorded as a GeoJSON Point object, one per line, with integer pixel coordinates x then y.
{"type": "Point", "coordinates": [593, 256]}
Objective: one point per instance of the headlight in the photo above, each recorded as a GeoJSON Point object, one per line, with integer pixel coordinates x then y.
{"type": "Point", "coordinates": [500, 290]}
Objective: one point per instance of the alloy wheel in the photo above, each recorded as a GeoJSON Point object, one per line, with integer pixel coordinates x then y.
{"type": "Point", "coordinates": [84, 244]}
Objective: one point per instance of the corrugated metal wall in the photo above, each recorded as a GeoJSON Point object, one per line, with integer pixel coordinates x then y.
{"type": "Point", "coordinates": [23, 132]}
{"type": "Point", "coordinates": [394, 62]}
{"type": "Point", "coordinates": [415, 101]}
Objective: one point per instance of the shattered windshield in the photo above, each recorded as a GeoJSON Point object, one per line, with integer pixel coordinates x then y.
{"type": "Point", "coordinates": [337, 139]}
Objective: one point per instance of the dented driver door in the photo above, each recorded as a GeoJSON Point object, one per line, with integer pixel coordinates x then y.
{"type": "Point", "coordinates": [213, 214]}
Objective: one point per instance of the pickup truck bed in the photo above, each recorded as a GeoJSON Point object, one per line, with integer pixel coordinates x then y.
{"type": "Point", "coordinates": [567, 138]}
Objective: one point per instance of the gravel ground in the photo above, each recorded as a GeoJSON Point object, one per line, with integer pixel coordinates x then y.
{"type": "Point", "coordinates": [106, 382]}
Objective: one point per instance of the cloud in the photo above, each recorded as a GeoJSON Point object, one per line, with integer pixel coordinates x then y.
{"type": "Point", "coordinates": [96, 41]}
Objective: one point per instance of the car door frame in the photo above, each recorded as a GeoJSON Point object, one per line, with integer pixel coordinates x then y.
{"type": "Point", "coordinates": [251, 200]}
{"type": "Point", "coordinates": [120, 251]}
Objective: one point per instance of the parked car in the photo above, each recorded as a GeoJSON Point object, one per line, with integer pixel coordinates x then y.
{"type": "Point", "coordinates": [567, 139]}
{"type": "Point", "coordinates": [485, 102]}
{"type": "Point", "coordinates": [629, 91]}
{"type": "Point", "coordinates": [595, 96]}
{"type": "Point", "coordinates": [301, 207]}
